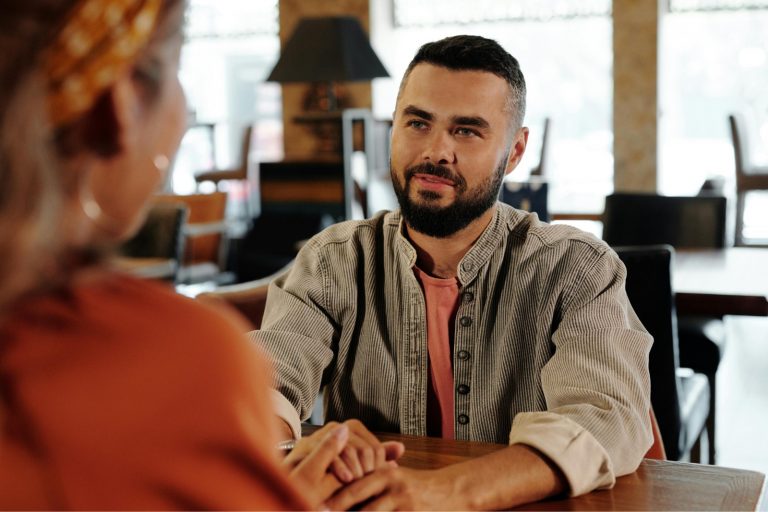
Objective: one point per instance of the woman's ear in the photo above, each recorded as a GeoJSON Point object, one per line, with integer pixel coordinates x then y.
{"type": "Point", "coordinates": [109, 126]}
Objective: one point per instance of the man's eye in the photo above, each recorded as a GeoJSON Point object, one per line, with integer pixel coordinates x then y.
{"type": "Point", "coordinates": [415, 123]}
{"type": "Point", "coordinates": [465, 132]}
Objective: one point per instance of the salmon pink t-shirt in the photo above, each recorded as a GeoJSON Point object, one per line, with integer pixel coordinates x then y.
{"type": "Point", "coordinates": [442, 300]}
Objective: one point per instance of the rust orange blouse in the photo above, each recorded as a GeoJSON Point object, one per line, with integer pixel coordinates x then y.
{"type": "Point", "coordinates": [121, 394]}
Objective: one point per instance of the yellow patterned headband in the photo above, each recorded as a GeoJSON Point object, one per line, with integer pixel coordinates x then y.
{"type": "Point", "coordinates": [98, 40]}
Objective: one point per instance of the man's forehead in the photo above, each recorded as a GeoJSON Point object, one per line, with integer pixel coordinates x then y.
{"type": "Point", "coordinates": [443, 91]}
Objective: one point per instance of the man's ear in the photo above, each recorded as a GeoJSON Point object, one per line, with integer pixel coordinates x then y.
{"type": "Point", "coordinates": [109, 127]}
{"type": "Point", "coordinates": [516, 149]}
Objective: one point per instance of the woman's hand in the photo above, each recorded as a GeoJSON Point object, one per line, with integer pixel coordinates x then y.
{"type": "Point", "coordinates": [362, 454]}
{"type": "Point", "coordinates": [310, 464]}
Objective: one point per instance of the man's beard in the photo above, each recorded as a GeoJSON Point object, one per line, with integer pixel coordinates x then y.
{"type": "Point", "coordinates": [441, 222]}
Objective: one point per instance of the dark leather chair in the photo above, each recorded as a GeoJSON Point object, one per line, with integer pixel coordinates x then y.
{"type": "Point", "coordinates": [161, 236]}
{"type": "Point", "coordinates": [679, 396]}
{"type": "Point", "coordinates": [683, 222]}
{"type": "Point", "coordinates": [680, 221]}
{"type": "Point", "coordinates": [531, 196]}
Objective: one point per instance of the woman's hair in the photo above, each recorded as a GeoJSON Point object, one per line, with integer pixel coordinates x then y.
{"type": "Point", "coordinates": [35, 176]}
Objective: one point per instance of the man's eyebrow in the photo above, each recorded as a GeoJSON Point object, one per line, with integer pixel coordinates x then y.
{"type": "Point", "coordinates": [410, 110]}
{"type": "Point", "coordinates": [476, 121]}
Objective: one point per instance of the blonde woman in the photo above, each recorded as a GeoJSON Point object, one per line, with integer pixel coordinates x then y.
{"type": "Point", "coordinates": [115, 392]}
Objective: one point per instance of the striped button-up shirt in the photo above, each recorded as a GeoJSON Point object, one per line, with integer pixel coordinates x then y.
{"type": "Point", "coordinates": [547, 350]}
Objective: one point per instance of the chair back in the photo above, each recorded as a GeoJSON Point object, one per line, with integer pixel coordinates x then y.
{"type": "Point", "coordinates": [205, 235]}
{"type": "Point", "coordinates": [239, 171]}
{"type": "Point", "coordinates": [541, 169]}
{"type": "Point", "coordinates": [680, 221]}
{"type": "Point", "coordinates": [748, 176]}
{"type": "Point", "coordinates": [740, 144]}
{"type": "Point", "coordinates": [530, 196]}
{"type": "Point", "coordinates": [160, 236]}
{"type": "Point", "coordinates": [245, 152]}
{"type": "Point", "coordinates": [649, 289]}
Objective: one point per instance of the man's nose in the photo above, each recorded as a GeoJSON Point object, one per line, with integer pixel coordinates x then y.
{"type": "Point", "coordinates": [439, 149]}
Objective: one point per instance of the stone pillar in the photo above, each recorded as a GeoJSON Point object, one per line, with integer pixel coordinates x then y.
{"type": "Point", "coordinates": [635, 94]}
{"type": "Point", "coordinates": [299, 140]}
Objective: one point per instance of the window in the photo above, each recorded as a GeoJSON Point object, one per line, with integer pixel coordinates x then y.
{"type": "Point", "coordinates": [231, 47]}
{"type": "Point", "coordinates": [714, 62]}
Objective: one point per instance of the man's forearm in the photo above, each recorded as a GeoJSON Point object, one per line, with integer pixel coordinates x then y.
{"type": "Point", "coordinates": [513, 476]}
{"type": "Point", "coordinates": [509, 477]}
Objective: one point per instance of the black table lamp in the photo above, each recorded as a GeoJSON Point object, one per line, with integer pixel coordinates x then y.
{"type": "Point", "coordinates": [324, 51]}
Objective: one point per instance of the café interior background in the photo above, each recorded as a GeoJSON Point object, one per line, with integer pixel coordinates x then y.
{"type": "Point", "coordinates": [712, 61]}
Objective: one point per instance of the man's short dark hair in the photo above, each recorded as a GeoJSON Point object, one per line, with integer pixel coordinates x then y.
{"type": "Point", "coordinates": [475, 53]}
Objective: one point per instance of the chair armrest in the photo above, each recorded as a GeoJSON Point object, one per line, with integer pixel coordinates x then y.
{"type": "Point", "coordinates": [205, 228]}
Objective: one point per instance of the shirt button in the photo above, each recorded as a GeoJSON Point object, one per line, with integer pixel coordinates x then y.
{"type": "Point", "coordinates": [463, 355]}
{"type": "Point", "coordinates": [467, 266]}
{"type": "Point", "coordinates": [468, 296]}
{"type": "Point", "coordinates": [463, 419]}
{"type": "Point", "coordinates": [465, 321]}
{"type": "Point", "coordinates": [463, 389]}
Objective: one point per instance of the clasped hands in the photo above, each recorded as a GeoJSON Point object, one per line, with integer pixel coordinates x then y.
{"type": "Point", "coordinates": [345, 465]}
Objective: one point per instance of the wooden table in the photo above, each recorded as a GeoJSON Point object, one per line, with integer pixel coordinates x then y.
{"type": "Point", "coordinates": [718, 282]}
{"type": "Point", "coordinates": [656, 485]}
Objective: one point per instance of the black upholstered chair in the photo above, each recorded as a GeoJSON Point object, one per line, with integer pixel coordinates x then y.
{"type": "Point", "coordinates": [528, 195]}
{"type": "Point", "coordinates": [160, 236]}
{"type": "Point", "coordinates": [679, 396]}
{"type": "Point", "coordinates": [683, 222]}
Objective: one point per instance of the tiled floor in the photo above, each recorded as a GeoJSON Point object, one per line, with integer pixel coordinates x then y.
{"type": "Point", "coordinates": [742, 396]}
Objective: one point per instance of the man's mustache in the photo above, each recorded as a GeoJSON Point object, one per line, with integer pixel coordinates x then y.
{"type": "Point", "coordinates": [434, 170]}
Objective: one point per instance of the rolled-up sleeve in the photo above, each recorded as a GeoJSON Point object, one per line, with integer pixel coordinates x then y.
{"type": "Point", "coordinates": [596, 384]}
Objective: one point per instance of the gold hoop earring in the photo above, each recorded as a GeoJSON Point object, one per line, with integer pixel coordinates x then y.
{"type": "Point", "coordinates": [92, 210]}
{"type": "Point", "coordinates": [162, 164]}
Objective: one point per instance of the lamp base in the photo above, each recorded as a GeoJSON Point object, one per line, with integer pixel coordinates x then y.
{"type": "Point", "coordinates": [325, 97]}
{"type": "Point", "coordinates": [322, 105]}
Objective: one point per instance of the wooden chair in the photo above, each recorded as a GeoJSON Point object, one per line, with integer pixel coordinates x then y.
{"type": "Point", "coordinates": [239, 172]}
{"type": "Point", "coordinates": [541, 169]}
{"type": "Point", "coordinates": [205, 235]}
{"type": "Point", "coordinates": [749, 177]}
{"type": "Point", "coordinates": [679, 396]}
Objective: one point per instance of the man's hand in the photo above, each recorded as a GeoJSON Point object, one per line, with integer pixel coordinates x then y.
{"type": "Point", "coordinates": [362, 454]}
{"type": "Point", "coordinates": [395, 488]}
{"type": "Point", "coordinates": [503, 479]}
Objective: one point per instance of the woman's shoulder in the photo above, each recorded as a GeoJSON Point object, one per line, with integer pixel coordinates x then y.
{"type": "Point", "coordinates": [123, 369]}
{"type": "Point", "coordinates": [178, 327]}
{"type": "Point", "coordinates": [128, 325]}
{"type": "Point", "coordinates": [154, 298]}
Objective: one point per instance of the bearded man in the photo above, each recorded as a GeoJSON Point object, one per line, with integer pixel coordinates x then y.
{"type": "Point", "coordinates": [461, 317]}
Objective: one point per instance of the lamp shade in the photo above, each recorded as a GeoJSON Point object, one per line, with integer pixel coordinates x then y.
{"type": "Point", "coordinates": [327, 49]}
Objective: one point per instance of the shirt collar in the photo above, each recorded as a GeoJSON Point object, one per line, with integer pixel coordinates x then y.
{"type": "Point", "coordinates": [504, 218]}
